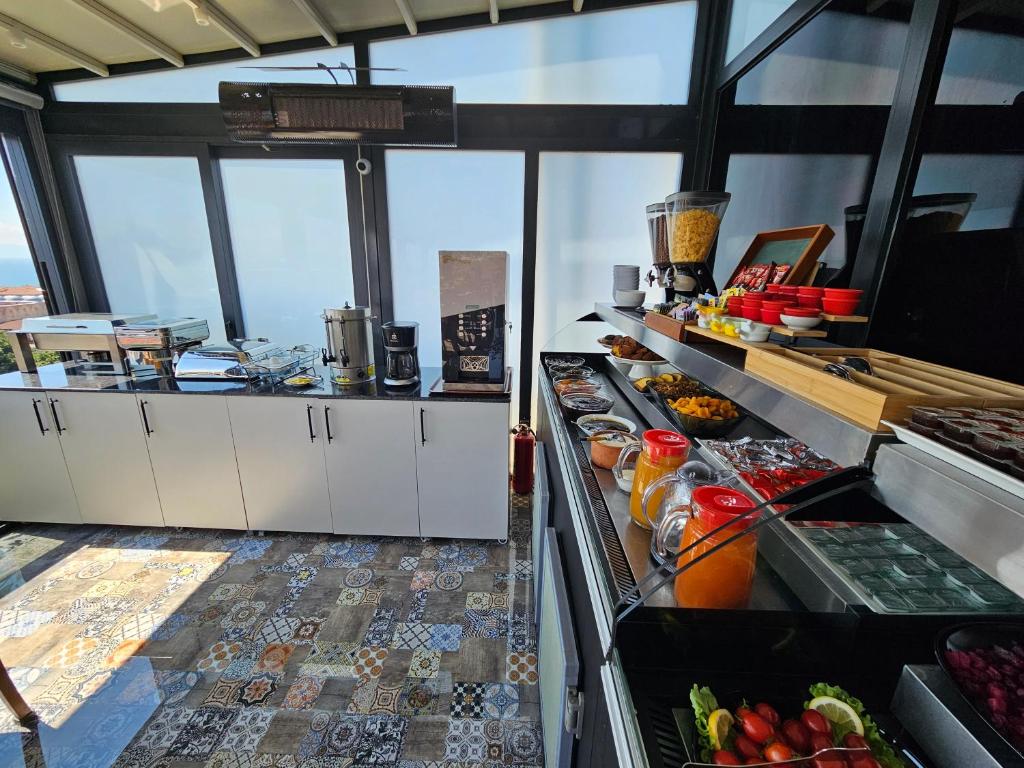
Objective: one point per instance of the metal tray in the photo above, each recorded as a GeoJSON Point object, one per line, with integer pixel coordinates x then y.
{"type": "Point", "coordinates": [967, 636]}
{"type": "Point", "coordinates": [957, 459]}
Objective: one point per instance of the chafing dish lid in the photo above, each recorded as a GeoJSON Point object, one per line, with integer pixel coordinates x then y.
{"type": "Point", "coordinates": [80, 322]}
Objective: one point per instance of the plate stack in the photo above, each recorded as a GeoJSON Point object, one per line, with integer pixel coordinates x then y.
{"type": "Point", "coordinates": [626, 286]}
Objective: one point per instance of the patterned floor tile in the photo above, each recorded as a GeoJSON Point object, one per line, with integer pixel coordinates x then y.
{"type": "Point", "coordinates": [276, 651]}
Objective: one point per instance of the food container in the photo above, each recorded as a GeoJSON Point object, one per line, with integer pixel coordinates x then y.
{"type": "Point", "coordinates": [693, 222]}
{"type": "Point", "coordinates": [752, 331]}
{"type": "Point", "coordinates": [657, 227]}
{"type": "Point", "coordinates": [659, 453]}
{"type": "Point", "coordinates": [556, 364]}
{"type": "Point", "coordinates": [961, 430]}
{"type": "Point", "coordinates": [697, 426]}
{"type": "Point", "coordinates": [604, 422]}
{"type": "Point", "coordinates": [564, 383]}
{"type": "Point", "coordinates": [577, 404]}
{"type": "Point", "coordinates": [937, 214]}
{"type": "Point", "coordinates": [722, 579]}
{"type": "Point", "coordinates": [840, 306]}
{"type": "Point", "coordinates": [813, 302]}
{"type": "Point", "coordinates": [604, 452]}
{"type": "Point", "coordinates": [799, 322]}
{"type": "Point", "coordinates": [750, 312]}
{"type": "Point", "coordinates": [997, 445]}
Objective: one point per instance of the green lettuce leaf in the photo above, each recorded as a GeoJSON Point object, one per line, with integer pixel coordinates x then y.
{"type": "Point", "coordinates": [704, 703]}
{"type": "Point", "coordinates": [880, 748]}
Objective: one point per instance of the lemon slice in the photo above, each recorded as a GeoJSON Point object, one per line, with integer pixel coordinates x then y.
{"type": "Point", "coordinates": [719, 724]}
{"type": "Point", "coordinates": [839, 713]}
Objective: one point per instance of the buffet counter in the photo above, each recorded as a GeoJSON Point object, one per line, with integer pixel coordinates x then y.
{"type": "Point", "coordinates": [805, 622]}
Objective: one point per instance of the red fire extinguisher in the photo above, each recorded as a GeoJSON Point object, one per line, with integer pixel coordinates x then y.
{"type": "Point", "coordinates": [523, 442]}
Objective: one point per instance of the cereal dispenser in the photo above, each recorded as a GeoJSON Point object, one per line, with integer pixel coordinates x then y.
{"type": "Point", "coordinates": [693, 220]}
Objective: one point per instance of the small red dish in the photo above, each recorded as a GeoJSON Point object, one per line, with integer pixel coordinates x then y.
{"type": "Point", "coordinates": [813, 302]}
{"type": "Point", "coordinates": [789, 290]}
{"type": "Point", "coordinates": [840, 306]}
{"type": "Point", "coordinates": [776, 304]}
{"type": "Point", "coordinates": [771, 316]}
{"type": "Point", "coordinates": [751, 313]}
{"type": "Point", "coordinates": [802, 312]}
{"type": "Point", "coordinates": [843, 293]}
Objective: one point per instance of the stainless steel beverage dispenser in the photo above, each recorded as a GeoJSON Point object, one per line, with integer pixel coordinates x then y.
{"type": "Point", "coordinates": [349, 349]}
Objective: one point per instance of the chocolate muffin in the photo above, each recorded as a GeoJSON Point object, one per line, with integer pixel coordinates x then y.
{"type": "Point", "coordinates": [961, 430]}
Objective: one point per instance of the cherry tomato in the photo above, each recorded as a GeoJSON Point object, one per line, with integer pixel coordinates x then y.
{"type": "Point", "coordinates": [767, 711]}
{"type": "Point", "coordinates": [746, 747]}
{"type": "Point", "coordinates": [819, 742]}
{"type": "Point", "coordinates": [855, 741]}
{"type": "Point", "coordinates": [776, 752]}
{"type": "Point", "coordinates": [725, 757]}
{"type": "Point", "coordinates": [815, 721]}
{"type": "Point", "coordinates": [797, 736]}
{"type": "Point", "coordinates": [754, 726]}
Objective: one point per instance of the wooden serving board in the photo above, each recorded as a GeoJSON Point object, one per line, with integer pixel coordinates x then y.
{"type": "Point", "coordinates": [694, 333]}
{"type": "Point", "coordinates": [669, 326]}
{"type": "Point", "coordinates": [897, 383]}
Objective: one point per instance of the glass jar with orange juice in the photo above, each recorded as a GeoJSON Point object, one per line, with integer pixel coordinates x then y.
{"type": "Point", "coordinates": [722, 579]}
{"type": "Point", "coordinates": [661, 452]}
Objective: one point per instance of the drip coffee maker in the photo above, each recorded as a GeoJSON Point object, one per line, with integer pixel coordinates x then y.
{"type": "Point", "coordinates": [693, 219]}
{"type": "Point", "coordinates": [403, 365]}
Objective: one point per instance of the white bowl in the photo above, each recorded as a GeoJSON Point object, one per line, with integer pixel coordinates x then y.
{"type": "Point", "coordinates": [751, 331]}
{"type": "Point", "coordinates": [585, 422]}
{"type": "Point", "coordinates": [629, 298]}
{"type": "Point", "coordinates": [800, 323]}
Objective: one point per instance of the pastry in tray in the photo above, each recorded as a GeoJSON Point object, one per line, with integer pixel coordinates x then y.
{"type": "Point", "coordinates": [995, 444]}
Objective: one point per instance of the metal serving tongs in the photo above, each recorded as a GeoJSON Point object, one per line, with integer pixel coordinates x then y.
{"type": "Point", "coordinates": [824, 487]}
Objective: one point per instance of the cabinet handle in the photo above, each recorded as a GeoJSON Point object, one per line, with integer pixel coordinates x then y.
{"type": "Point", "coordinates": [145, 417]}
{"type": "Point", "coordinates": [56, 419]}
{"type": "Point", "coordinates": [39, 419]}
{"type": "Point", "coordinates": [423, 429]}
{"type": "Point", "coordinates": [327, 422]}
{"type": "Point", "coordinates": [309, 419]}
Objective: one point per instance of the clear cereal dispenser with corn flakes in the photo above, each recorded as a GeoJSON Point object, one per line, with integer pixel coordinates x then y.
{"type": "Point", "coordinates": [693, 222]}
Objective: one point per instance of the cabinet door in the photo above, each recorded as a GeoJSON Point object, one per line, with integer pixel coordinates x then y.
{"type": "Point", "coordinates": [278, 444]}
{"type": "Point", "coordinates": [34, 481]}
{"type": "Point", "coordinates": [107, 457]}
{"type": "Point", "coordinates": [371, 467]}
{"type": "Point", "coordinates": [193, 458]}
{"type": "Point", "coordinates": [462, 469]}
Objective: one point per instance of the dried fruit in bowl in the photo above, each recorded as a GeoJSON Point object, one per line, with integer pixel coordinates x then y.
{"type": "Point", "coordinates": [706, 408]}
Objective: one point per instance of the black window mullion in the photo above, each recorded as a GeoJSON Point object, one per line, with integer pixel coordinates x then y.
{"type": "Point", "coordinates": [531, 180]}
{"type": "Point", "coordinates": [220, 242]}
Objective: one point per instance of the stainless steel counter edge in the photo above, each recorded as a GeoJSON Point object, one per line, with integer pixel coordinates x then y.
{"type": "Point", "coordinates": [977, 520]}
{"type": "Point", "coordinates": [55, 377]}
{"type": "Point", "coordinates": [821, 429]}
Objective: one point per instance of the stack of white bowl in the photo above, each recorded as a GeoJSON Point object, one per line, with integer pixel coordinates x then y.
{"type": "Point", "coordinates": [626, 286]}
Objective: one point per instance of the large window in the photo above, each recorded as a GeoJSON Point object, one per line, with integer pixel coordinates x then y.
{"type": "Point", "coordinates": [452, 201]}
{"type": "Point", "coordinates": [630, 56]}
{"type": "Point", "coordinates": [748, 19]}
{"type": "Point", "coordinates": [590, 216]}
{"type": "Point", "coordinates": [290, 241]}
{"type": "Point", "coordinates": [152, 240]}
{"type": "Point", "coordinates": [199, 84]}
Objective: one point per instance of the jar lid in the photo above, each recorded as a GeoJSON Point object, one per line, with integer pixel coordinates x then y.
{"type": "Point", "coordinates": [662, 443]}
{"type": "Point", "coordinates": [719, 505]}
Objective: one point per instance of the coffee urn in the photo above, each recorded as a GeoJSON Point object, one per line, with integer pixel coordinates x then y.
{"type": "Point", "coordinates": [349, 350]}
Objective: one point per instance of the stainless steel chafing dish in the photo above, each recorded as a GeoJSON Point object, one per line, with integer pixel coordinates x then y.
{"type": "Point", "coordinates": [92, 335]}
{"type": "Point", "coordinates": [154, 345]}
{"type": "Point", "coordinates": [237, 359]}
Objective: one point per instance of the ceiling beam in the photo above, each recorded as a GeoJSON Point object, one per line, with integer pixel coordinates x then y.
{"type": "Point", "coordinates": [494, 11]}
{"type": "Point", "coordinates": [406, 11]}
{"type": "Point", "coordinates": [56, 46]}
{"type": "Point", "coordinates": [16, 72]}
{"type": "Point", "coordinates": [140, 36]}
{"type": "Point", "coordinates": [226, 24]}
{"type": "Point", "coordinates": [319, 20]}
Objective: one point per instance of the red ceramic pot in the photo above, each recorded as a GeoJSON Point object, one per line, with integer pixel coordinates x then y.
{"type": "Point", "coordinates": [840, 306]}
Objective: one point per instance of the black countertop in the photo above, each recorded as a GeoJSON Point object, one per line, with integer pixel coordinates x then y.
{"type": "Point", "coordinates": [72, 377]}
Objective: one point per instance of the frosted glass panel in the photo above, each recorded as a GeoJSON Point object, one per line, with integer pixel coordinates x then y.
{"type": "Point", "coordinates": [149, 227]}
{"type": "Point", "coordinates": [199, 84]}
{"type": "Point", "coordinates": [590, 216]}
{"type": "Point", "coordinates": [838, 58]}
{"type": "Point", "coordinates": [748, 19]}
{"type": "Point", "coordinates": [998, 180]}
{"type": "Point", "coordinates": [779, 191]}
{"type": "Point", "coordinates": [631, 56]}
{"type": "Point", "coordinates": [982, 68]}
{"type": "Point", "coordinates": [290, 239]}
{"type": "Point", "coordinates": [452, 201]}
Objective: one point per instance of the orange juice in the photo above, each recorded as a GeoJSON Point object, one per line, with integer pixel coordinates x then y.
{"type": "Point", "coordinates": [723, 579]}
{"type": "Point", "coordinates": [663, 452]}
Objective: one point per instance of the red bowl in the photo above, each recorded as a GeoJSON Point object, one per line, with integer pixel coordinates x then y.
{"type": "Point", "coordinates": [771, 316]}
{"type": "Point", "coordinates": [801, 312]}
{"type": "Point", "coordinates": [814, 302]}
{"type": "Point", "coordinates": [751, 313]}
{"type": "Point", "coordinates": [809, 290]}
{"type": "Point", "coordinates": [843, 293]}
{"type": "Point", "coordinates": [840, 306]}
{"type": "Point", "coordinates": [776, 304]}
{"type": "Point", "coordinates": [787, 290]}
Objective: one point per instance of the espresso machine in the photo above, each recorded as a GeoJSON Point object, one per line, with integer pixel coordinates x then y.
{"type": "Point", "coordinates": [349, 351]}
{"type": "Point", "coordinates": [403, 365]}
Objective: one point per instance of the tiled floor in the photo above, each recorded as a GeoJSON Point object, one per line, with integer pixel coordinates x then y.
{"type": "Point", "coordinates": [169, 648]}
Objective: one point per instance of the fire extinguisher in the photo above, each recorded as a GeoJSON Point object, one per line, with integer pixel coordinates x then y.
{"type": "Point", "coordinates": [523, 442]}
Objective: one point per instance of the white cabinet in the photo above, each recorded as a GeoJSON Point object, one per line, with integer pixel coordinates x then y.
{"type": "Point", "coordinates": [105, 450]}
{"type": "Point", "coordinates": [371, 466]}
{"type": "Point", "coordinates": [193, 457]}
{"type": "Point", "coordinates": [281, 462]}
{"type": "Point", "coordinates": [462, 469]}
{"type": "Point", "coordinates": [34, 481]}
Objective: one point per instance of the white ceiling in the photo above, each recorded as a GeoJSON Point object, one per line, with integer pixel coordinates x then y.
{"type": "Point", "coordinates": [47, 35]}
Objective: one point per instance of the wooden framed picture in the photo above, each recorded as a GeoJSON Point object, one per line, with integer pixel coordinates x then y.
{"type": "Point", "coordinates": [781, 257]}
